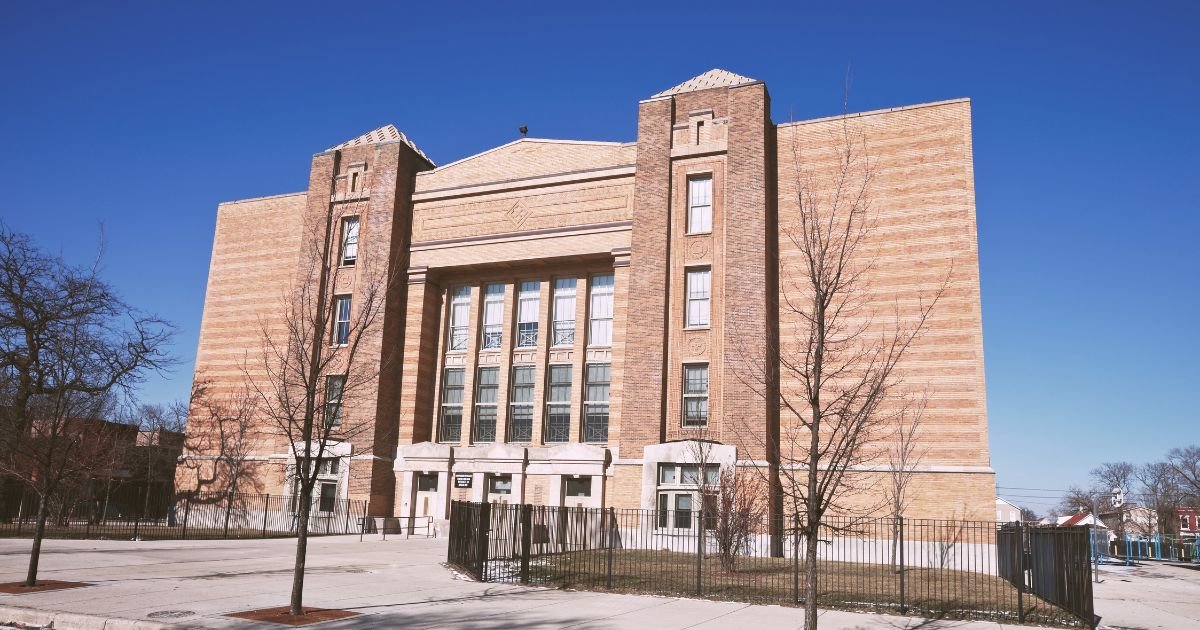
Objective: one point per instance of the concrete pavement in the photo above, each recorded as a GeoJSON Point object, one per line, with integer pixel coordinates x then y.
{"type": "Point", "coordinates": [393, 583]}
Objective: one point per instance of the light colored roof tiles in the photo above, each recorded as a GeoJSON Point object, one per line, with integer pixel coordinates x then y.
{"type": "Point", "coordinates": [386, 133]}
{"type": "Point", "coordinates": [714, 78]}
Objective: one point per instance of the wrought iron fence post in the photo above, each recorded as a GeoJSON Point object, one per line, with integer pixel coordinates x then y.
{"type": "Point", "coordinates": [187, 511]}
{"type": "Point", "coordinates": [612, 519]}
{"type": "Point", "coordinates": [266, 507]}
{"type": "Point", "coordinates": [526, 540]}
{"type": "Point", "coordinates": [796, 558]}
{"type": "Point", "coordinates": [1021, 565]}
{"type": "Point", "coordinates": [699, 550]}
{"type": "Point", "coordinates": [903, 606]}
{"type": "Point", "coordinates": [481, 540]}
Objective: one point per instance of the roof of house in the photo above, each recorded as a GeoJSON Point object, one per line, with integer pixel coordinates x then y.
{"type": "Point", "coordinates": [386, 133]}
{"type": "Point", "coordinates": [1008, 503]}
{"type": "Point", "coordinates": [714, 78]}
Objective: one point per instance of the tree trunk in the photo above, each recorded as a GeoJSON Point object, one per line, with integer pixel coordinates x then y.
{"type": "Point", "coordinates": [305, 508]}
{"type": "Point", "coordinates": [39, 532]}
{"type": "Point", "coordinates": [810, 580]}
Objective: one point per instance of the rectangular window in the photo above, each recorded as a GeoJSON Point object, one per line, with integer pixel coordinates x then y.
{"type": "Point", "coordinates": [664, 510]}
{"type": "Point", "coordinates": [334, 385]}
{"type": "Point", "coordinates": [460, 309]}
{"type": "Point", "coordinates": [578, 487]}
{"type": "Point", "coordinates": [493, 315]}
{"type": "Point", "coordinates": [486, 389]}
{"type": "Point", "coordinates": [528, 305]}
{"type": "Point", "coordinates": [558, 404]}
{"type": "Point", "coordinates": [564, 311]}
{"type": "Point", "coordinates": [595, 405]}
{"type": "Point", "coordinates": [698, 297]}
{"type": "Point", "coordinates": [452, 401]}
{"type": "Point", "coordinates": [349, 241]}
{"type": "Point", "coordinates": [328, 497]}
{"type": "Point", "coordinates": [601, 311]}
{"type": "Point", "coordinates": [341, 320]}
{"type": "Point", "coordinates": [427, 482]}
{"type": "Point", "coordinates": [520, 405]}
{"type": "Point", "coordinates": [695, 396]}
{"type": "Point", "coordinates": [683, 511]}
{"type": "Point", "coordinates": [500, 484]}
{"type": "Point", "coordinates": [699, 217]}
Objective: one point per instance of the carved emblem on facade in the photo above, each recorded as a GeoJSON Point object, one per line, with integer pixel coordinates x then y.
{"type": "Point", "coordinates": [697, 249]}
{"type": "Point", "coordinates": [518, 213]}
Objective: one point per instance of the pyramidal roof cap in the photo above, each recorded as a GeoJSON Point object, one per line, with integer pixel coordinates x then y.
{"type": "Point", "coordinates": [714, 78]}
{"type": "Point", "coordinates": [386, 133]}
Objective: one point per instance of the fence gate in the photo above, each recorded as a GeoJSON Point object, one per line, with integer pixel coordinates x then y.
{"type": "Point", "coordinates": [470, 528]}
{"type": "Point", "coordinates": [1053, 563]}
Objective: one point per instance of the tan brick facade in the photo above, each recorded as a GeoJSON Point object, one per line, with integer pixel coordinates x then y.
{"type": "Point", "coordinates": [464, 405]}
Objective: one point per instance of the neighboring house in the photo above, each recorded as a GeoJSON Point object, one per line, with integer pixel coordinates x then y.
{"type": "Point", "coordinates": [1007, 511]}
{"type": "Point", "coordinates": [117, 465]}
{"type": "Point", "coordinates": [1132, 520]}
{"type": "Point", "coordinates": [1189, 521]}
{"type": "Point", "coordinates": [574, 320]}
{"type": "Point", "coordinates": [1081, 518]}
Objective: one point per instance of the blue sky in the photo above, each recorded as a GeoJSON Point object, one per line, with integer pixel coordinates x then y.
{"type": "Point", "coordinates": [143, 116]}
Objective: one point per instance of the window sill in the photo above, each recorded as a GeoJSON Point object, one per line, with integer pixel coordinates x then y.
{"type": "Point", "coordinates": [607, 346]}
{"type": "Point", "coordinates": [338, 345]}
{"type": "Point", "coordinates": [708, 233]}
{"type": "Point", "coordinates": [346, 266]}
{"type": "Point", "coordinates": [690, 328]}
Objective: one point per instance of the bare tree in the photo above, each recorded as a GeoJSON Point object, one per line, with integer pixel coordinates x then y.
{"type": "Point", "coordinates": [1161, 492]}
{"type": "Point", "coordinates": [1114, 475]}
{"type": "Point", "coordinates": [1186, 464]}
{"type": "Point", "coordinates": [1028, 515]}
{"type": "Point", "coordinates": [160, 431]}
{"type": "Point", "coordinates": [69, 348]}
{"type": "Point", "coordinates": [836, 365]}
{"type": "Point", "coordinates": [221, 436]}
{"type": "Point", "coordinates": [311, 363]}
{"type": "Point", "coordinates": [1077, 500]}
{"type": "Point", "coordinates": [732, 504]}
{"type": "Point", "coordinates": [904, 457]}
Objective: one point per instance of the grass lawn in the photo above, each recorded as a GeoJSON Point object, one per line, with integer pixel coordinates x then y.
{"type": "Point", "coordinates": [927, 592]}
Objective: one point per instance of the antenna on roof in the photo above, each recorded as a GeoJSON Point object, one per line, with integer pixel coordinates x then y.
{"type": "Point", "coordinates": [524, 130]}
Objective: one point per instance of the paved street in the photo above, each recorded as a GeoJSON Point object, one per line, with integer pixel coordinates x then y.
{"type": "Point", "coordinates": [395, 583]}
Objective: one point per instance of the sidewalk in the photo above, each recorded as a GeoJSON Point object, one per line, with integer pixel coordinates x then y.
{"type": "Point", "coordinates": [393, 583]}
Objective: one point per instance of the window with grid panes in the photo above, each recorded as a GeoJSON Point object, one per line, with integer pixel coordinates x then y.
{"type": "Point", "coordinates": [341, 320]}
{"type": "Point", "coordinates": [698, 297]}
{"type": "Point", "coordinates": [334, 385]}
{"type": "Point", "coordinates": [452, 401]}
{"type": "Point", "coordinates": [601, 311]}
{"type": "Point", "coordinates": [558, 403]}
{"type": "Point", "coordinates": [528, 304]}
{"type": "Point", "coordinates": [564, 311]}
{"type": "Point", "coordinates": [349, 241]}
{"type": "Point", "coordinates": [699, 217]}
{"type": "Point", "coordinates": [493, 316]}
{"type": "Point", "coordinates": [595, 404]}
{"type": "Point", "coordinates": [486, 388]}
{"type": "Point", "coordinates": [520, 405]}
{"type": "Point", "coordinates": [695, 395]}
{"type": "Point", "coordinates": [460, 310]}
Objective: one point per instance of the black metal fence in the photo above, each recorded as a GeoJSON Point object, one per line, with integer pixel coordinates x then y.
{"type": "Point", "coordinates": [169, 515]}
{"type": "Point", "coordinates": [931, 568]}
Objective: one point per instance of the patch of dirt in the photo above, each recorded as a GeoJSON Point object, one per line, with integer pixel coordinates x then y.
{"type": "Point", "coordinates": [19, 588]}
{"type": "Point", "coordinates": [280, 615]}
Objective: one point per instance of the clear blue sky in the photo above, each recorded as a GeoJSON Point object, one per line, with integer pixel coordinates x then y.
{"type": "Point", "coordinates": [143, 116]}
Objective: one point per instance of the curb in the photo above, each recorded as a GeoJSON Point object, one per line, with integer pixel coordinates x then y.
{"type": "Point", "coordinates": [75, 621]}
